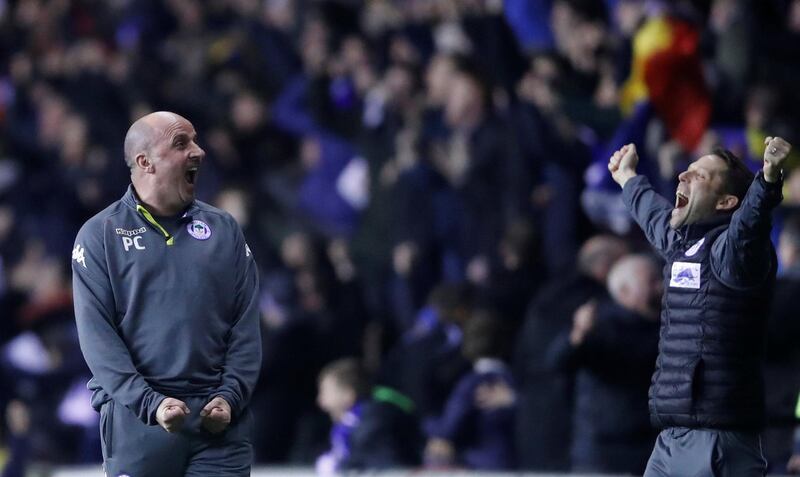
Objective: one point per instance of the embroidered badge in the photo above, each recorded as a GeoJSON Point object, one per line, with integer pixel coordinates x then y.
{"type": "Point", "coordinates": [695, 248]}
{"type": "Point", "coordinates": [685, 275]}
{"type": "Point", "coordinates": [199, 230]}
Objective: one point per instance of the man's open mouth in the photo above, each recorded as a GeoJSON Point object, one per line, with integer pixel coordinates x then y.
{"type": "Point", "coordinates": [680, 200]}
{"type": "Point", "coordinates": [191, 175]}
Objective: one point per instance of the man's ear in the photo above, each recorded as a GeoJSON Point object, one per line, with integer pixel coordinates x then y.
{"type": "Point", "coordinates": [143, 163]}
{"type": "Point", "coordinates": [727, 202]}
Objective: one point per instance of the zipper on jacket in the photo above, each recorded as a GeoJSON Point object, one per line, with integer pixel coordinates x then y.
{"type": "Point", "coordinates": [149, 217]}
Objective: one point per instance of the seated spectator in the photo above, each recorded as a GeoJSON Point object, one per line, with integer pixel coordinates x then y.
{"type": "Point", "coordinates": [476, 429]}
{"type": "Point", "coordinates": [613, 347]}
{"type": "Point", "coordinates": [370, 431]}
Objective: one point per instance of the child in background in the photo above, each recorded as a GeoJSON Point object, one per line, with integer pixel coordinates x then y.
{"type": "Point", "coordinates": [373, 428]}
{"type": "Point", "coordinates": [476, 429]}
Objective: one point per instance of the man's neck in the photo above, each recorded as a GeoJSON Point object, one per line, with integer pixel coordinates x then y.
{"type": "Point", "coordinates": [154, 205]}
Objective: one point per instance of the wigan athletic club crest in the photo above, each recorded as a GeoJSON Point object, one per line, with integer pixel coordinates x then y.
{"type": "Point", "coordinates": [199, 230]}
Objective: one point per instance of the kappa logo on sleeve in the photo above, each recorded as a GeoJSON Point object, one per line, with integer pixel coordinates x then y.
{"type": "Point", "coordinates": [685, 275]}
{"type": "Point", "coordinates": [247, 251]}
{"type": "Point", "coordinates": [79, 255]}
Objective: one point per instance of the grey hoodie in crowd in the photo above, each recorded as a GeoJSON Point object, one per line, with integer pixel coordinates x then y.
{"type": "Point", "coordinates": [166, 315]}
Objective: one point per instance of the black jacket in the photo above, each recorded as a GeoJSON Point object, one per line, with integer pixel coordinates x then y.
{"type": "Point", "coordinates": [613, 365]}
{"type": "Point", "coordinates": [719, 277]}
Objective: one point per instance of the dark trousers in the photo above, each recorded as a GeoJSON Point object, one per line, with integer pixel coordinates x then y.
{"type": "Point", "coordinates": [132, 448]}
{"type": "Point", "coordinates": [683, 452]}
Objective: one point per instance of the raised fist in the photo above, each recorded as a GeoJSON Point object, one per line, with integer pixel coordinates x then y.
{"type": "Point", "coordinates": [774, 156]}
{"type": "Point", "coordinates": [622, 164]}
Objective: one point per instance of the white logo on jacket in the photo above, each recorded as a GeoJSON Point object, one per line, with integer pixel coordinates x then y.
{"type": "Point", "coordinates": [135, 241]}
{"type": "Point", "coordinates": [695, 248]}
{"type": "Point", "coordinates": [78, 254]}
{"type": "Point", "coordinates": [685, 275]}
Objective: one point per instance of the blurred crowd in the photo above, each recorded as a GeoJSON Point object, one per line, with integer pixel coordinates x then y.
{"type": "Point", "coordinates": [449, 276]}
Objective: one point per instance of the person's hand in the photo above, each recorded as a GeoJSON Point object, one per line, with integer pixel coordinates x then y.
{"type": "Point", "coordinates": [622, 164]}
{"type": "Point", "coordinates": [404, 256]}
{"type": "Point", "coordinates": [774, 156]}
{"type": "Point", "coordinates": [793, 466]}
{"type": "Point", "coordinates": [216, 415]}
{"type": "Point", "coordinates": [171, 414]}
{"type": "Point", "coordinates": [583, 322]}
{"type": "Point", "coordinates": [439, 453]}
{"type": "Point", "coordinates": [18, 418]}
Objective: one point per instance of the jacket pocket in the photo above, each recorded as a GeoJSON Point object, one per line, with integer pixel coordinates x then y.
{"type": "Point", "coordinates": [107, 428]}
{"type": "Point", "coordinates": [697, 383]}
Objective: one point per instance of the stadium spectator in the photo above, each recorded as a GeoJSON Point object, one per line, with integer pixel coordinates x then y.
{"type": "Point", "coordinates": [476, 427]}
{"type": "Point", "coordinates": [374, 428]}
{"type": "Point", "coordinates": [544, 408]}
{"type": "Point", "coordinates": [612, 348]}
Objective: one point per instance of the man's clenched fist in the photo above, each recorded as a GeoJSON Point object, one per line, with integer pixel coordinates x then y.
{"type": "Point", "coordinates": [216, 415]}
{"type": "Point", "coordinates": [622, 164]}
{"type": "Point", "coordinates": [171, 413]}
{"type": "Point", "coordinates": [774, 157]}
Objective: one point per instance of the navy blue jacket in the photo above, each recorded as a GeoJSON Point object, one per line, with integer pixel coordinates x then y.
{"type": "Point", "coordinates": [166, 315]}
{"type": "Point", "coordinates": [718, 281]}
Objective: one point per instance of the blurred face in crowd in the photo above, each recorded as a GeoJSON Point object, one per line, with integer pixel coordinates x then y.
{"type": "Point", "coordinates": [464, 107]}
{"type": "Point", "coordinates": [634, 283]}
{"type": "Point", "coordinates": [700, 193]}
{"type": "Point", "coordinates": [333, 398]}
{"type": "Point", "coordinates": [788, 250]}
{"type": "Point", "coordinates": [437, 78]}
{"type": "Point", "coordinates": [247, 112]}
{"type": "Point", "coordinates": [166, 159]}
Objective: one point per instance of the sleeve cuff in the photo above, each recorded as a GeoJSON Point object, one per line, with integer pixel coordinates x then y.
{"type": "Point", "coordinates": [773, 191]}
{"type": "Point", "coordinates": [155, 401]}
{"type": "Point", "coordinates": [229, 398]}
{"type": "Point", "coordinates": [777, 185]}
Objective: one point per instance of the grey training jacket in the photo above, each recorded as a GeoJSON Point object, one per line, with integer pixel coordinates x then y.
{"type": "Point", "coordinates": [161, 315]}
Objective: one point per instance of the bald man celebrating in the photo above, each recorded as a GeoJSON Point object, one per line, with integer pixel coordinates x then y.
{"type": "Point", "coordinates": [165, 292]}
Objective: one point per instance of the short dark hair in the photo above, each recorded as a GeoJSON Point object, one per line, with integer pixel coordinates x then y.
{"type": "Point", "coordinates": [451, 298]}
{"type": "Point", "coordinates": [484, 336]}
{"type": "Point", "coordinates": [349, 374]}
{"type": "Point", "coordinates": [738, 176]}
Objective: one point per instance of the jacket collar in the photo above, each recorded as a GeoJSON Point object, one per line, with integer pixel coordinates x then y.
{"type": "Point", "coordinates": [700, 229]}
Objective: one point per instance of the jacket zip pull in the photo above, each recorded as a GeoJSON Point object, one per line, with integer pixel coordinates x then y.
{"type": "Point", "coordinates": [149, 217]}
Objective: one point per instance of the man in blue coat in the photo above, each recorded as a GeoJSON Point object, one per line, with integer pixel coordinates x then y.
{"type": "Point", "coordinates": [165, 291]}
{"type": "Point", "coordinates": [707, 391]}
